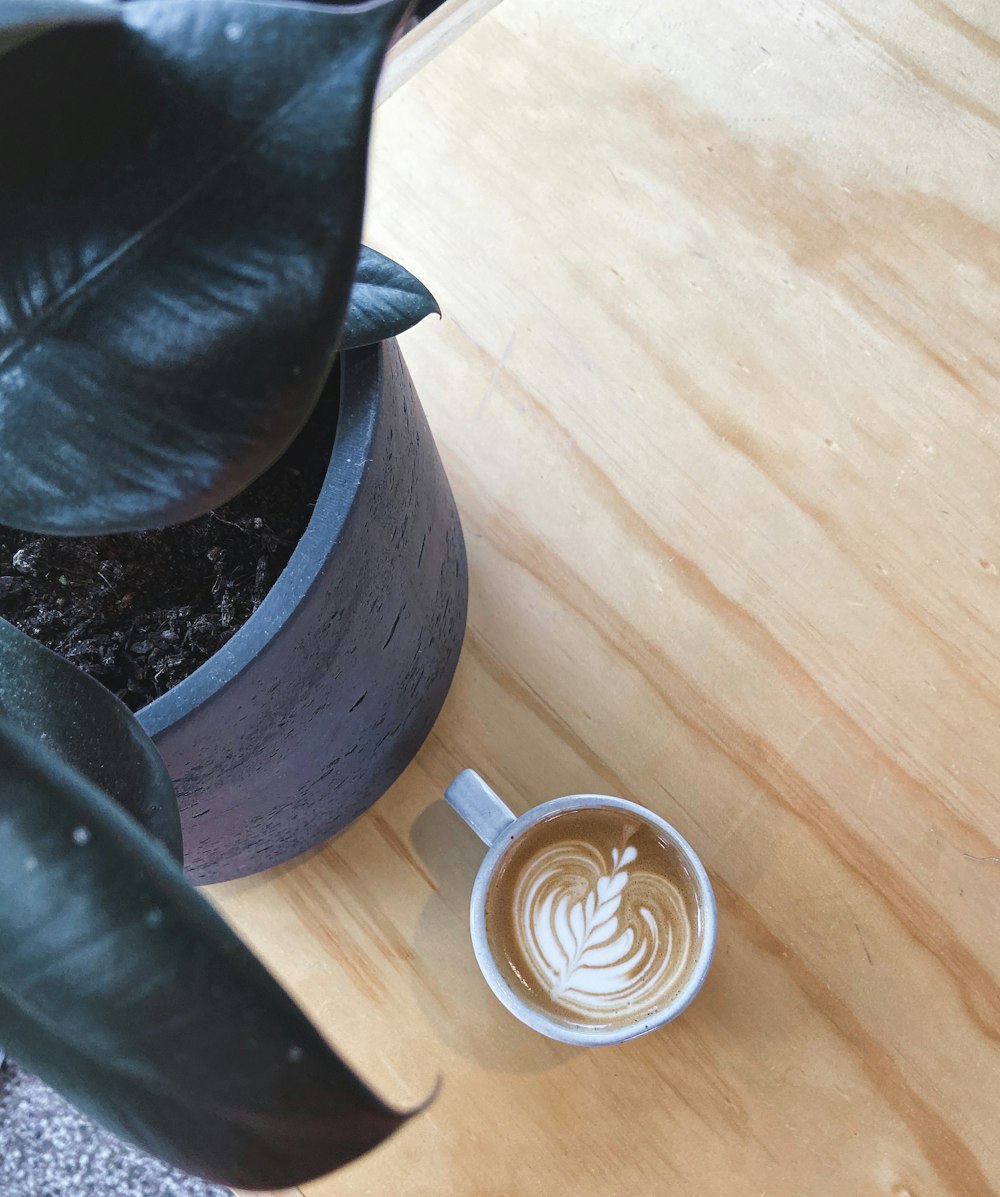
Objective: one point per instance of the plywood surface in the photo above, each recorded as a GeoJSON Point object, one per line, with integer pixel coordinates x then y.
{"type": "Point", "coordinates": [717, 387]}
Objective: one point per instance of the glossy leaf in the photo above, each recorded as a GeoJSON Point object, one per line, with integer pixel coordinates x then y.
{"type": "Point", "coordinates": [122, 988]}
{"type": "Point", "coordinates": [90, 729]}
{"type": "Point", "coordinates": [179, 225]}
{"type": "Point", "coordinates": [385, 301]}
{"type": "Point", "coordinates": [21, 20]}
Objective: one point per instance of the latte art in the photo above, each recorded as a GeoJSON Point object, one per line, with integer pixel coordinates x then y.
{"type": "Point", "coordinates": [595, 949]}
{"type": "Point", "coordinates": [595, 918]}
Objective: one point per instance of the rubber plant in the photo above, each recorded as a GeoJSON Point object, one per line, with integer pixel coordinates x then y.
{"type": "Point", "coordinates": [181, 194]}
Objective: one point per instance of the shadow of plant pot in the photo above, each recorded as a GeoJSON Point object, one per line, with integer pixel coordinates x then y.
{"type": "Point", "coordinates": [317, 704]}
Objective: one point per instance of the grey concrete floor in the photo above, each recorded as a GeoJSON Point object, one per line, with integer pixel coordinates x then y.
{"type": "Point", "coordinates": [47, 1149]}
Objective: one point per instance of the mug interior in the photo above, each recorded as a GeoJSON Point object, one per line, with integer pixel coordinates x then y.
{"type": "Point", "coordinates": [582, 1036]}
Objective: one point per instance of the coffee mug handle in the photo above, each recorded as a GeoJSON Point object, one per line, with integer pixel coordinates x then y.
{"type": "Point", "coordinates": [483, 809]}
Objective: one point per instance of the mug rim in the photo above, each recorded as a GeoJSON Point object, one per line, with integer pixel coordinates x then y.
{"type": "Point", "coordinates": [581, 1036]}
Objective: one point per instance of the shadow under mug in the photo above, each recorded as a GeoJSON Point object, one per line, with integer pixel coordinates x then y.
{"type": "Point", "coordinates": [498, 828]}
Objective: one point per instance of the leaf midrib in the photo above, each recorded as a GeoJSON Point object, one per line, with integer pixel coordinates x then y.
{"type": "Point", "coordinates": [100, 271]}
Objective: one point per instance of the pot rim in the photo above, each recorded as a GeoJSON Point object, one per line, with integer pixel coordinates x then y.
{"type": "Point", "coordinates": [361, 382]}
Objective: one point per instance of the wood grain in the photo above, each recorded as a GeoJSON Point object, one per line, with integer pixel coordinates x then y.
{"type": "Point", "coordinates": [422, 44]}
{"type": "Point", "coordinates": [717, 387]}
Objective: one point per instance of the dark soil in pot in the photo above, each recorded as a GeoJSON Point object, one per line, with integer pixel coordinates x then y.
{"type": "Point", "coordinates": [141, 611]}
{"type": "Point", "coordinates": [308, 712]}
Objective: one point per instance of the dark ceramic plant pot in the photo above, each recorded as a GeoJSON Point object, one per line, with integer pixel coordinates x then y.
{"type": "Point", "coordinates": [319, 701]}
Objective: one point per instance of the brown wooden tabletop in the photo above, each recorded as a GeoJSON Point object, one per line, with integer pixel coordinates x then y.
{"type": "Point", "coordinates": [717, 389]}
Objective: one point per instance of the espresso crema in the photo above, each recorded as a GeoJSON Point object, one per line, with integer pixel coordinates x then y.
{"type": "Point", "coordinates": [595, 918]}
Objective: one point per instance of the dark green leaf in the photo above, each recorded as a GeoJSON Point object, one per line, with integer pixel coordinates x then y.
{"type": "Point", "coordinates": [85, 725]}
{"type": "Point", "coordinates": [122, 988]}
{"type": "Point", "coordinates": [21, 20]}
{"type": "Point", "coordinates": [180, 211]}
{"type": "Point", "coordinates": [385, 301]}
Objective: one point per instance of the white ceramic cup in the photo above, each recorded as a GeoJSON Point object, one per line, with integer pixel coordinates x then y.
{"type": "Point", "coordinates": [488, 816]}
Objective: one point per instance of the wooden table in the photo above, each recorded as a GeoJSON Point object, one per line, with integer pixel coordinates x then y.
{"type": "Point", "coordinates": [717, 388]}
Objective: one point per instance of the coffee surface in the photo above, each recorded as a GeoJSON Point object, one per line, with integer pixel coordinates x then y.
{"type": "Point", "coordinates": [595, 918]}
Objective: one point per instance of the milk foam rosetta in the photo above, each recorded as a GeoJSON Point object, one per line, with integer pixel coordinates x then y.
{"type": "Point", "coordinates": [603, 932]}
{"type": "Point", "coordinates": [594, 916]}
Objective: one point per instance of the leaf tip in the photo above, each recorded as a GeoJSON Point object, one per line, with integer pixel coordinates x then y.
{"type": "Point", "coordinates": [429, 1100]}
